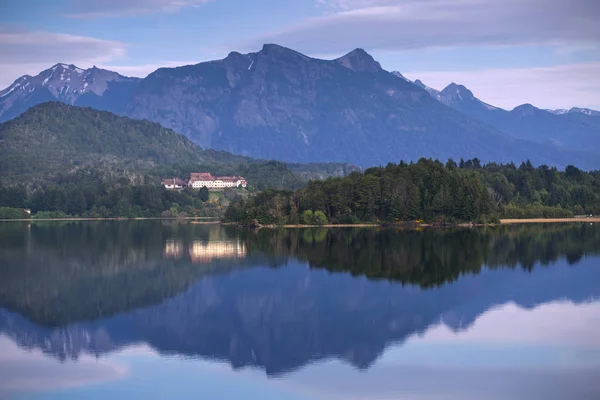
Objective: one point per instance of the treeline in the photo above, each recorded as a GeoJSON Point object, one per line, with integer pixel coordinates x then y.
{"type": "Point", "coordinates": [431, 191]}
{"type": "Point", "coordinates": [430, 257]}
{"type": "Point", "coordinates": [99, 199]}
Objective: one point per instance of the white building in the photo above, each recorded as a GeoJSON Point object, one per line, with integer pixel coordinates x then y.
{"type": "Point", "coordinates": [173, 183]}
{"type": "Point", "coordinates": [200, 179]}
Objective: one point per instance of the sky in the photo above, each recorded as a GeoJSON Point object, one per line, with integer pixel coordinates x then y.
{"type": "Point", "coordinates": [508, 52]}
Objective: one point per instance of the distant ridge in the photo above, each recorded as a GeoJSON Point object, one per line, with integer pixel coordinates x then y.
{"type": "Point", "coordinates": [280, 104]}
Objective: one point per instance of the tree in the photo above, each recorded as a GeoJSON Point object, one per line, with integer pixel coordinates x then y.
{"type": "Point", "coordinates": [204, 193]}
{"type": "Point", "coordinates": [319, 218]}
{"type": "Point", "coordinates": [76, 203]}
{"type": "Point", "coordinates": [307, 217]}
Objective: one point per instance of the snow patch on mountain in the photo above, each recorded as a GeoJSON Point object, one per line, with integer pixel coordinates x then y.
{"type": "Point", "coordinates": [65, 82]}
{"type": "Point", "coordinates": [585, 111]}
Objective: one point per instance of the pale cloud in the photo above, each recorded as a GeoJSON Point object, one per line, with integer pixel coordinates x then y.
{"type": "Point", "coordinates": [31, 371]}
{"type": "Point", "coordinates": [560, 323]}
{"type": "Point", "coordinates": [29, 52]}
{"type": "Point", "coordinates": [116, 8]}
{"type": "Point", "coordinates": [24, 47]}
{"type": "Point", "coordinates": [561, 86]}
{"type": "Point", "coordinates": [415, 24]}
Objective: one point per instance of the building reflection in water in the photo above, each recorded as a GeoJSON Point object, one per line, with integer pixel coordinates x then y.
{"type": "Point", "coordinates": [205, 251]}
{"type": "Point", "coordinates": [173, 249]}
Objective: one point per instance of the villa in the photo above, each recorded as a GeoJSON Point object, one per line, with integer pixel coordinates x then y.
{"type": "Point", "coordinates": [198, 180]}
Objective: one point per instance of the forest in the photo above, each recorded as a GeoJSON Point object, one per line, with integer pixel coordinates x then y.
{"type": "Point", "coordinates": [56, 144]}
{"type": "Point", "coordinates": [425, 191]}
{"type": "Point", "coordinates": [100, 199]}
{"type": "Point", "coordinates": [429, 191]}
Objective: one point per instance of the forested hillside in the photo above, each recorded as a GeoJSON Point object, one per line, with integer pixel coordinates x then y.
{"type": "Point", "coordinates": [429, 191]}
{"type": "Point", "coordinates": [53, 141]}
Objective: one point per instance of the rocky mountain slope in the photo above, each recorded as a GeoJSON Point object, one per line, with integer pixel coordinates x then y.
{"type": "Point", "coordinates": [576, 128]}
{"type": "Point", "coordinates": [93, 87]}
{"type": "Point", "coordinates": [279, 104]}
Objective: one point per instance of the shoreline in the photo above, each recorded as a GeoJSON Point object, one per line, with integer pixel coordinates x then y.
{"type": "Point", "coordinates": [205, 220]}
{"type": "Point", "coordinates": [547, 220]}
{"type": "Point", "coordinates": [212, 220]}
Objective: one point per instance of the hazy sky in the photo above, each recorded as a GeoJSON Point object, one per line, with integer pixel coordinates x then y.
{"type": "Point", "coordinates": [508, 52]}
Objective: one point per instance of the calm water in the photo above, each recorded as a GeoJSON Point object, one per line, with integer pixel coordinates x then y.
{"type": "Point", "coordinates": [156, 310]}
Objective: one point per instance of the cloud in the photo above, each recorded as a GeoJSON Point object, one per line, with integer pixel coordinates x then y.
{"type": "Point", "coordinates": [26, 47]}
{"type": "Point", "coordinates": [558, 323]}
{"type": "Point", "coordinates": [415, 24]}
{"type": "Point", "coordinates": [32, 371]}
{"type": "Point", "coordinates": [116, 8]}
{"type": "Point", "coordinates": [29, 52]}
{"type": "Point", "coordinates": [561, 86]}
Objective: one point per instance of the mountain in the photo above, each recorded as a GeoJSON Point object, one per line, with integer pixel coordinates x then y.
{"type": "Point", "coordinates": [585, 111]}
{"type": "Point", "coordinates": [54, 138]}
{"type": "Point", "coordinates": [433, 92]}
{"type": "Point", "coordinates": [399, 75]}
{"type": "Point", "coordinates": [280, 104]}
{"type": "Point", "coordinates": [93, 87]}
{"type": "Point", "coordinates": [459, 95]}
{"type": "Point", "coordinates": [576, 129]}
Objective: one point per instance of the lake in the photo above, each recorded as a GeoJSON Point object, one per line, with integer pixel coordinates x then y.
{"type": "Point", "coordinates": [168, 309]}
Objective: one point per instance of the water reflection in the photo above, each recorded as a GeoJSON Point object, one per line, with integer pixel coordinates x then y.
{"type": "Point", "coordinates": [396, 299]}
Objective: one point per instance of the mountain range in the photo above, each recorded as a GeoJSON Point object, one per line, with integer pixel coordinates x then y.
{"type": "Point", "coordinates": [280, 104]}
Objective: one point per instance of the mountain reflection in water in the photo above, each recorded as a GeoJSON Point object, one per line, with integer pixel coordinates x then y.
{"type": "Point", "coordinates": [277, 300]}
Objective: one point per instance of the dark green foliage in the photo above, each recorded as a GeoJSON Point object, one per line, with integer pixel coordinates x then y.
{"type": "Point", "coordinates": [77, 265]}
{"type": "Point", "coordinates": [433, 192]}
{"type": "Point", "coordinates": [12, 213]}
{"type": "Point", "coordinates": [203, 193]}
{"type": "Point", "coordinates": [87, 197]}
{"type": "Point", "coordinates": [53, 141]}
{"type": "Point", "coordinates": [431, 257]}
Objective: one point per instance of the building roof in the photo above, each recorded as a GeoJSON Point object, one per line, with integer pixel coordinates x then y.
{"type": "Point", "coordinates": [175, 181]}
{"type": "Point", "coordinates": [201, 176]}
{"type": "Point", "coordinates": [207, 176]}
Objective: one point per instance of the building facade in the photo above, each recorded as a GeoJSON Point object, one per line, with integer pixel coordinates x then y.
{"type": "Point", "coordinates": [200, 179]}
{"type": "Point", "coordinates": [173, 183]}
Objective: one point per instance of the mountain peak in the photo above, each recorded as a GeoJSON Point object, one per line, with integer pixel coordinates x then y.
{"type": "Point", "coordinates": [272, 50]}
{"type": "Point", "coordinates": [360, 61]}
{"type": "Point", "coordinates": [526, 109]}
{"type": "Point", "coordinates": [62, 82]}
{"type": "Point", "coordinates": [454, 93]}
{"type": "Point", "coordinates": [432, 92]}
{"type": "Point", "coordinates": [69, 67]}
{"type": "Point", "coordinates": [586, 111]}
{"type": "Point", "coordinates": [458, 91]}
